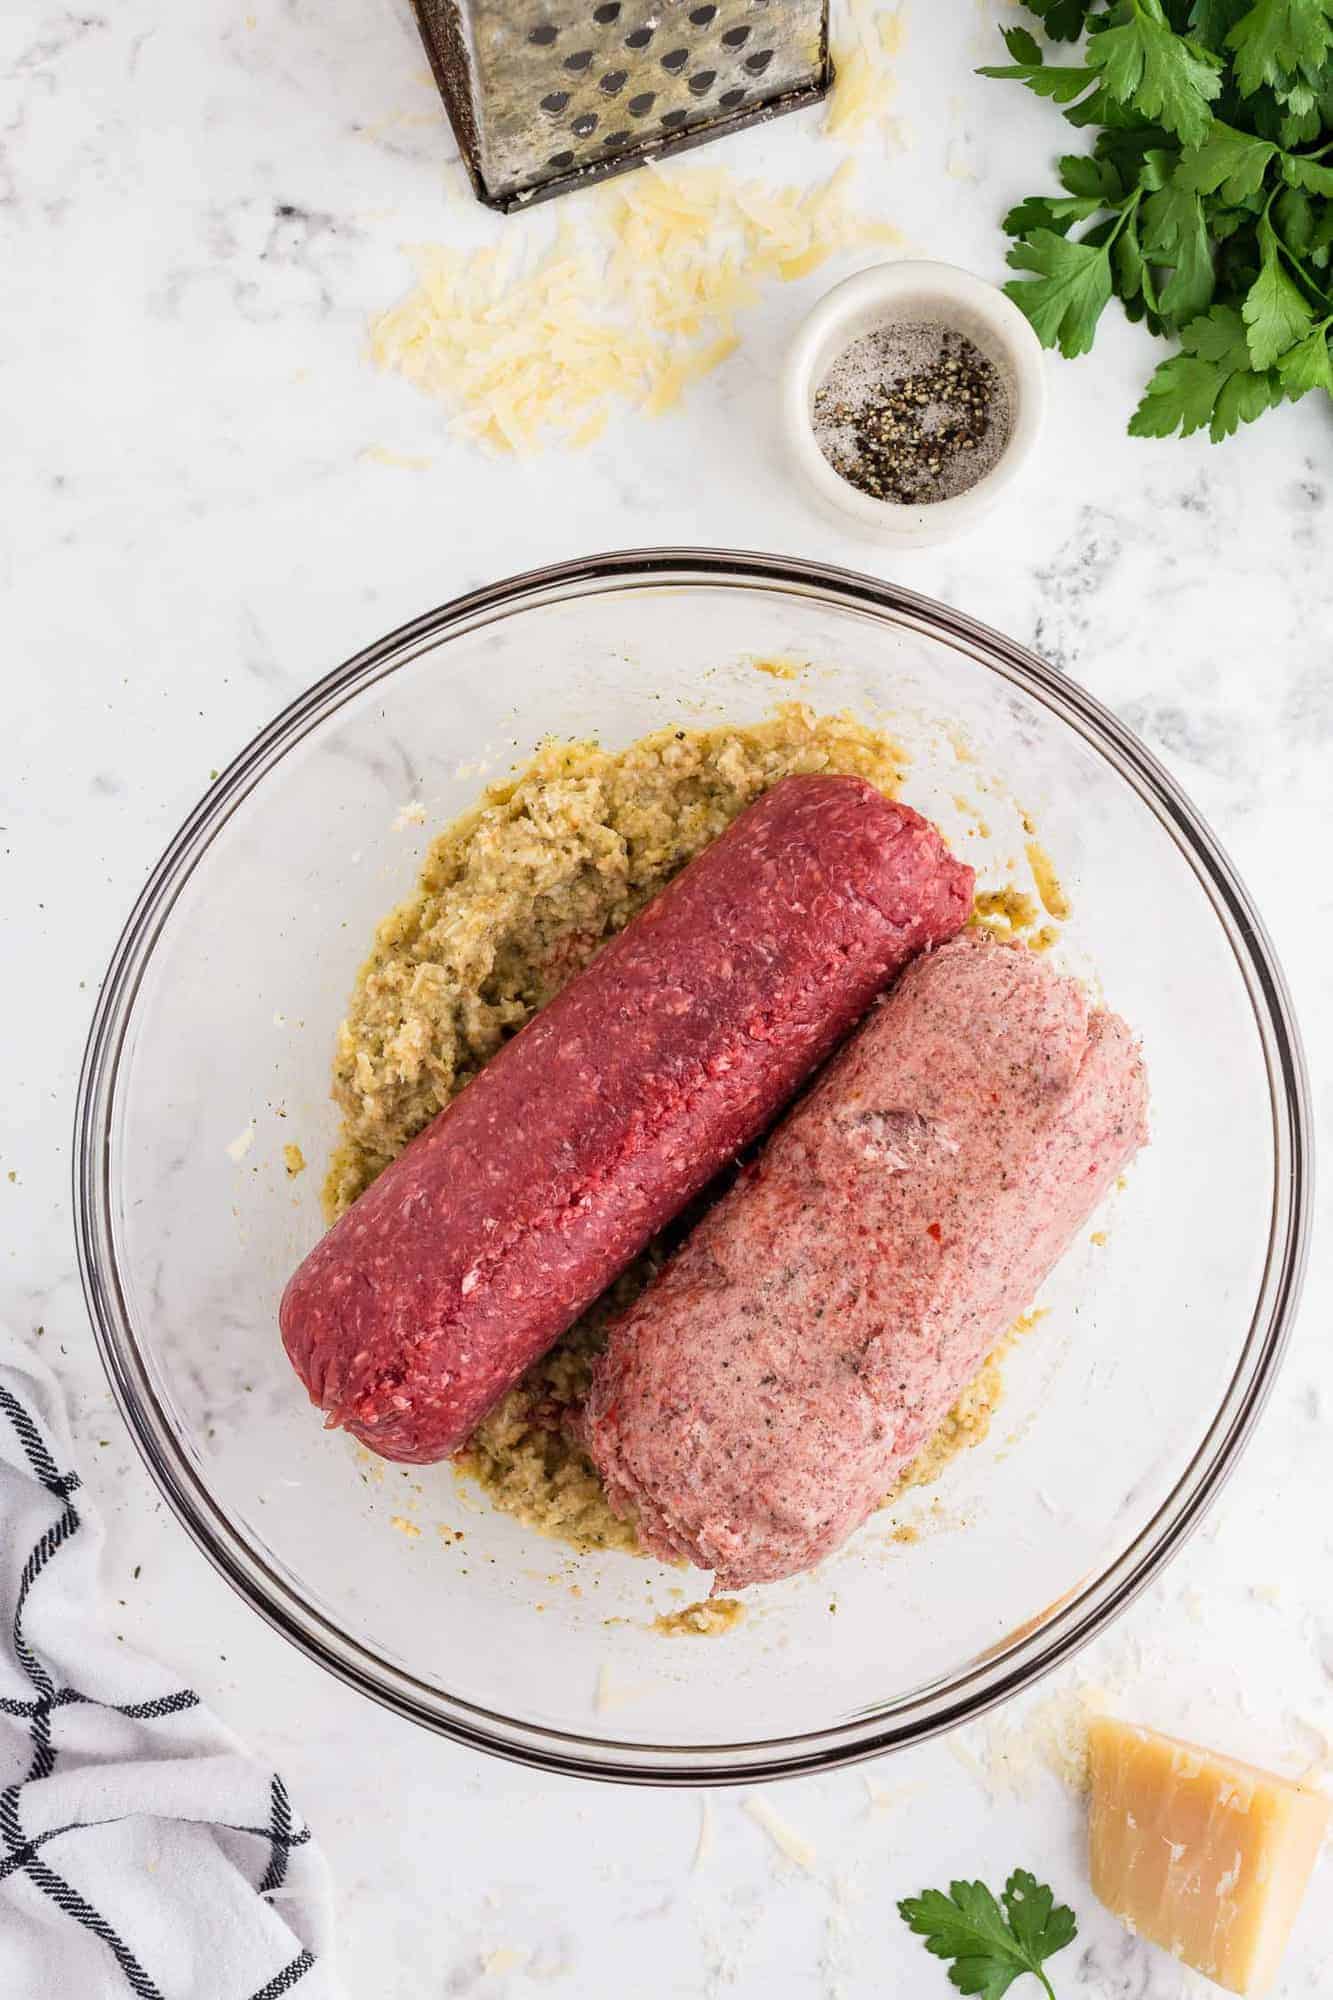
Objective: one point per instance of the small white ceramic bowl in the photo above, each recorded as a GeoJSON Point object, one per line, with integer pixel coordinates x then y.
{"type": "Point", "coordinates": [914, 293]}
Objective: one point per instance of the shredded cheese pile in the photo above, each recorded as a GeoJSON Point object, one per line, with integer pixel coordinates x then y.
{"type": "Point", "coordinates": [632, 306]}
{"type": "Point", "coordinates": [866, 41]}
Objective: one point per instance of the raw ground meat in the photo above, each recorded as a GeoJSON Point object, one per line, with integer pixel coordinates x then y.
{"type": "Point", "coordinates": [758, 1401]}
{"type": "Point", "coordinates": [594, 1126]}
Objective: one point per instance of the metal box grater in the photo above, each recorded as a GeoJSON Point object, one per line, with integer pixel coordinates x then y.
{"type": "Point", "coordinates": [547, 95]}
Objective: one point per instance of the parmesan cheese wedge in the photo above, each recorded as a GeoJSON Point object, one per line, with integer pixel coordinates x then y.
{"type": "Point", "coordinates": [1204, 1855]}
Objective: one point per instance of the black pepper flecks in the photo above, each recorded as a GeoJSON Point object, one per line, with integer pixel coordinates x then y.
{"type": "Point", "coordinates": [912, 414]}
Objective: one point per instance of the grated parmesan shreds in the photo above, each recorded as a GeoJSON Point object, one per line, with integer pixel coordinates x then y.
{"type": "Point", "coordinates": [1050, 1736]}
{"type": "Point", "coordinates": [633, 307]}
{"type": "Point", "coordinates": [784, 1836]}
{"type": "Point", "coordinates": [866, 42]}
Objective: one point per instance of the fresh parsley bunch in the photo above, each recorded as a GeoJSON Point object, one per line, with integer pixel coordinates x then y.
{"type": "Point", "coordinates": [1206, 205]}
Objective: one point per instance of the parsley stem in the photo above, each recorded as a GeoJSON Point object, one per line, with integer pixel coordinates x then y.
{"type": "Point", "coordinates": [1128, 209]}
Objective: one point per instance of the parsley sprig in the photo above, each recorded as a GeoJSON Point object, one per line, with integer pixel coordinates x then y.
{"type": "Point", "coordinates": [992, 1947]}
{"type": "Point", "coordinates": [1205, 206]}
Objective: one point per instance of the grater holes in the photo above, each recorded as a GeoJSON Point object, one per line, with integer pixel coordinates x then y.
{"type": "Point", "coordinates": [605, 15]}
{"type": "Point", "coordinates": [585, 123]}
{"type": "Point", "coordinates": [561, 161]}
{"type": "Point", "coordinates": [757, 64]}
{"type": "Point", "coordinates": [639, 39]}
{"type": "Point", "coordinates": [675, 60]}
{"type": "Point", "coordinates": [579, 60]}
{"type": "Point", "coordinates": [555, 102]}
{"type": "Point", "coordinates": [701, 16]}
{"type": "Point", "coordinates": [672, 119]}
{"type": "Point", "coordinates": [543, 36]}
{"type": "Point", "coordinates": [615, 142]}
{"type": "Point", "coordinates": [702, 82]}
{"type": "Point", "coordinates": [731, 98]}
{"type": "Point", "coordinates": [614, 81]}
{"type": "Point", "coordinates": [640, 106]}
{"type": "Point", "coordinates": [736, 38]}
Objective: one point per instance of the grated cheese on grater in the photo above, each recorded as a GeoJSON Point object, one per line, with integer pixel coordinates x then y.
{"type": "Point", "coordinates": [867, 41]}
{"type": "Point", "coordinates": [632, 307]}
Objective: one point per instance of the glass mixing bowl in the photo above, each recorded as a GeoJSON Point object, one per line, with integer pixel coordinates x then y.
{"type": "Point", "coordinates": [211, 1050]}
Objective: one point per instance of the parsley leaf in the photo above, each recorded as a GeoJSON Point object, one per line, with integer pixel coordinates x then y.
{"type": "Point", "coordinates": [1041, 1925]}
{"type": "Point", "coordinates": [1274, 310]}
{"type": "Point", "coordinates": [1321, 242]}
{"type": "Point", "coordinates": [1211, 21]}
{"type": "Point", "coordinates": [1175, 233]}
{"type": "Point", "coordinates": [1181, 395]}
{"type": "Point", "coordinates": [1133, 283]}
{"type": "Point", "coordinates": [991, 1947]}
{"type": "Point", "coordinates": [1063, 20]}
{"type": "Point", "coordinates": [1281, 43]}
{"type": "Point", "coordinates": [1212, 384]}
{"type": "Point", "coordinates": [1308, 365]}
{"type": "Point", "coordinates": [1029, 66]}
{"type": "Point", "coordinates": [1298, 170]}
{"type": "Point", "coordinates": [1246, 396]}
{"type": "Point", "coordinates": [1294, 221]}
{"type": "Point", "coordinates": [1234, 162]}
{"type": "Point", "coordinates": [1050, 212]}
{"type": "Point", "coordinates": [1065, 301]}
{"type": "Point", "coordinates": [1164, 75]}
{"type": "Point", "coordinates": [1219, 336]}
{"type": "Point", "coordinates": [1083, 175]}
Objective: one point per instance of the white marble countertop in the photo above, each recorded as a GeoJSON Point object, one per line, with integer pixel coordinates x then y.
{"type": "Point", "coordinates": [202, 205]}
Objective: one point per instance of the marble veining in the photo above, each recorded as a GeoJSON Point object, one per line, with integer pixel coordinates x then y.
{"type": "Point", "coordinates": [200, 208]}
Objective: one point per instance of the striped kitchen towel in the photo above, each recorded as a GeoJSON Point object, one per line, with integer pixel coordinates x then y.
{"type": "Point", "coordinates": [141, 1850]}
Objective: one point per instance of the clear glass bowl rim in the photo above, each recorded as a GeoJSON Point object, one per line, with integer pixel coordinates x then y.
{"type": "Point", "coordinates": [1016, 1663]}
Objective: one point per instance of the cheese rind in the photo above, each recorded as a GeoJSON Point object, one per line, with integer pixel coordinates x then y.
{"type": "Point", "coordinates": [1204, 1855]}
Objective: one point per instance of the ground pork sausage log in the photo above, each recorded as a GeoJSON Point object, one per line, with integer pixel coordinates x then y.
{"type": "Point", "coordinates": [595, 1125]}
{"type": "Point", "coordinates": [758, 1401]}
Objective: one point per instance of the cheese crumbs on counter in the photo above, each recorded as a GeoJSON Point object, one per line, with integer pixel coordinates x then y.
{"type": "Point", "coordinates": [238, 1147]}
{"type": "Point", "coordinates": [402, 461]}
{"type": "Point", "coordinates": [613, 1694]}
{"type": "Point", "coordinates": [1052, 1736]}
{"type": "Point", "coordinates": [1200, 1853]}
{"type": "Point", "coordinates": [294, 1161]}
{"type": "Point", "coordinates": [504, 1959]}
{"type": "Point", "coordinates": [784, 1837]}
{"type": "Point", "coordinates": [630, 305]}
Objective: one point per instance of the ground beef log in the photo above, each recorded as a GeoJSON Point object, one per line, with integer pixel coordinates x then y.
{"type": "Point", "coordinates": [617, 1103]}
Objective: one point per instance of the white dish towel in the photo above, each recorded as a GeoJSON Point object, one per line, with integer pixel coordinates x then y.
{"type": "Point", "coordinates": [142, 1852]}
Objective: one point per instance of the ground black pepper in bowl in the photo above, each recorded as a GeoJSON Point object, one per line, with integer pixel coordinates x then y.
{"type": "Point", "coordinates": [912, 414]}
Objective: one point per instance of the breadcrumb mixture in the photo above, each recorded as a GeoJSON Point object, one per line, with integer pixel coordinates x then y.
{"type": "Point", "coordinates": [514, 898]}
{"type": "Point", "coordinates": [701, 1621]}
